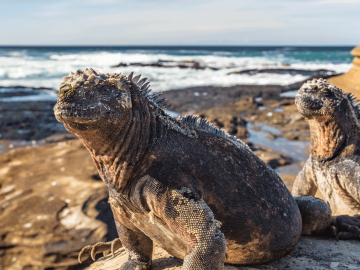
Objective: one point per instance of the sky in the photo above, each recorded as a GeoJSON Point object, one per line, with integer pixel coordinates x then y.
{"type": "Point", "coordinates": [180, 22]}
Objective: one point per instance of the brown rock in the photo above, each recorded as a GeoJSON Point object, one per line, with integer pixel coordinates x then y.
{"type": "Point", "coordinates": [273, 158]}
{"type": "Point", "coordinates": [350, 81]}
{"type": "Point", "coordinates": [51, 205]}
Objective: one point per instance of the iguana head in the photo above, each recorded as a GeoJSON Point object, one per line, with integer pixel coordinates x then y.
{"type": "Point", "coordinates": [89, 99]}
{"type": "Point", "coordinates": [317, 97]}
{"type": "Point", "coordinates": [333, 118]}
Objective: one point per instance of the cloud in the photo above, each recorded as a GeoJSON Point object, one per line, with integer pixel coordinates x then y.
{"type": "Point", "coordinates": [180, 22]}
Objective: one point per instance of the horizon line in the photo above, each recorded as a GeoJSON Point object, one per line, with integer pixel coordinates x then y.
{"type": "Point", "coordinates": [172, 45]}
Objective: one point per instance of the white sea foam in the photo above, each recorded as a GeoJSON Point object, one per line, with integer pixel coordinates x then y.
{"type": "Point", "coordinates": [31, 71]}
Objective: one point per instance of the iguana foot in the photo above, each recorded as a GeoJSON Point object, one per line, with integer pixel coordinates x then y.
{"type": "Point", "coordinates": [134, 265]}
{"type": "Point", "coordinates": [347, 227]}
{"type": "Point", "coordinates": [104, 247]}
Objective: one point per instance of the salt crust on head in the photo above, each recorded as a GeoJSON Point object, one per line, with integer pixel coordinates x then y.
{"type": "Point", "coordinates": [320, 84]}
{"type": "Point", "coordinates": [91, 77]}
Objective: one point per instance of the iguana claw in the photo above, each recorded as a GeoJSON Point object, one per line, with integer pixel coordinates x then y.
{"type": "Point", "coordinates": [349, 227]}
{"type": "Point", "coordinates": [335, 232]}
{"type": "Point", "coordinates": [101, 247]}
{"type": "Point", "coordinates": [115, 245]}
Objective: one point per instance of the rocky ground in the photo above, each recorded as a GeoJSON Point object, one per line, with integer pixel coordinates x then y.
{"type": "Point", "coordinates": [52, 201]}
{"type": "Point", "coordinates": [310, 254]}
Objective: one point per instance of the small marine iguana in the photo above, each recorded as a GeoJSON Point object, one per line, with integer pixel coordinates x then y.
{"type": "Point", "coordinates": [197, 192]}
{"type": "Point", "coordinates": [334, 164]}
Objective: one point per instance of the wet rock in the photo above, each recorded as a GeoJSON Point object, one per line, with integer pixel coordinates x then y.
{"type": "Point", "coordinates": [196, 99]}
{"type": "Point", "coordinates": [312, 73]}
{"type": "Point", "coordinates": [191, 64]}
{"type": "Point", "coordinates": [228, 120]}
{"type": "Point", "coordinates": [271, 157]}
{"type": "Point", "coordinates": [28, 120]}
{"type": "Point", "coordinates": [272, 136]}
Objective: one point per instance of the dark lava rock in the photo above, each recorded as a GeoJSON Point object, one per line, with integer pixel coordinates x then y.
{"type": "Point", "coordinates": [195, 99]}
{"type": "Point", "coordinates": [28, 120]}
{"type": "Point", "coordinates": [318, 72]}
{"type": "Point", "coordinates": [191, 64]}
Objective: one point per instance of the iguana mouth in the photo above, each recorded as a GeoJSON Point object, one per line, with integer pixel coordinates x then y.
{"type": "Point", "coordinates": [80, 113]}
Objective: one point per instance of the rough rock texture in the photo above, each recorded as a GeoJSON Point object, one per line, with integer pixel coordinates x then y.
{"type": "Point", "coordinates": [312, 73]}
{"type": "Point", "coordinates": [350, 81]}
{"type": "Point", "coordinates": [190, 64]}
{"type": "Point", "coordinates": [52, 203]}
{"type": "Point", "coordinates": [310, 254]}
{"type": "Point", "coordinates": [195, 99]}
{"type": "Point", "coordinates": [34, 121]}
{"type": "Point", "coordinates": [226, 118]}
{"type": "Point", "coordinates": [334, 164]}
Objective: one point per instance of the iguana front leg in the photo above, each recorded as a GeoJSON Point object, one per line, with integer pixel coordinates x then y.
{"type": "Point", "coordinates": [305, 182]}
{"type": "Point", "coordinates": [317, 219]}
{"type": "Point", "coordinates": [193, 221]}
{"type": "Point", "coordinates": [137, 245]}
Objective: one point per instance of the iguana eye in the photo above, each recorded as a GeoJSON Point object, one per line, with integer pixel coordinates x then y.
{"type": "Point", "coordinates": [326, 92]}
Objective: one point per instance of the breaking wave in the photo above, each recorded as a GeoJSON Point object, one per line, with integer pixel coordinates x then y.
{"type": "Point", "coordinates": [44, 67]}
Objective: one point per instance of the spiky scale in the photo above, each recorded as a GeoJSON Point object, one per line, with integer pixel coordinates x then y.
{"type": "Point", "coordinates": [142, 81]}
{"type": "Point", "coordinates": [136, 78]}
{"type": "Point", "coordinates": [146, 92]}
{"type": "Point", "coordinates": [145, 86]}
{"type": "Point", "coordinates": [161, 102]}
{"type": "Point", "coordinates": [130, 76]}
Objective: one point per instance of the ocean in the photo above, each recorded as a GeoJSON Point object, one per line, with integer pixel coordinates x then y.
{"type": "Point", "coordinates": [45, 66]}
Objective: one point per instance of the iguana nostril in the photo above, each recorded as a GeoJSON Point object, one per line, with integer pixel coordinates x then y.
{"type": "Point", "coordinates": [65, 89]}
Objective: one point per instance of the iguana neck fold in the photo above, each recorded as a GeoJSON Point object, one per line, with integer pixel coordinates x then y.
{"type": "Point", "coordinates": [333, 136]}
{"type": "Point", "coordinates": [118, 150]}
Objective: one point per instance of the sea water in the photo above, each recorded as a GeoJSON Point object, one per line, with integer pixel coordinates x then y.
{"type": "Point", "coordinates": [45, 66]}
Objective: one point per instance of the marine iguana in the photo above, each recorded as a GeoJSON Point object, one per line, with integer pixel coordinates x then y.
{"type": "Point", "coordinates": [197, 192]}
{"type": "Point", "coordinates": [334, 164]}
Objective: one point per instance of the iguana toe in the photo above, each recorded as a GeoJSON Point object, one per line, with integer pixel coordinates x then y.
{"type": "Point", "coordinates": [101, 247]}
{"type": "Point", "coordinates": [334, 232]}
{"type": "Point", "coordinates": [349, 227]}
{"type": "Point", "coordinates": [115, 245]}
{"type": "Point", "coordinates": [84, 253]}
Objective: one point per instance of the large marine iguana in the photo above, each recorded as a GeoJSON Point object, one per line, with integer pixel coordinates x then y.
{"type": "Point", "coordinates": [334, 164]}
{"type": "Point", "coordinates": [197, 192]}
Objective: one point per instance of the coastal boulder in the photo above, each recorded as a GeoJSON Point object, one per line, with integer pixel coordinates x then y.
{"type": "Point", "coordinates": [350, 81]}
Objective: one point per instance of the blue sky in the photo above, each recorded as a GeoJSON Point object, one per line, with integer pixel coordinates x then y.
{"type": "Point", "coordinates": [180, 22]}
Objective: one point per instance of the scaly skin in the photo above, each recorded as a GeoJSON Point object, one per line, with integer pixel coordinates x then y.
{"type": "Point", "coordinates": [199, 193]}
{"type": "Point", "coordinates": [334, 164]}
